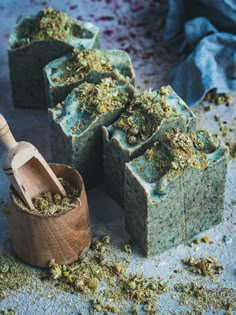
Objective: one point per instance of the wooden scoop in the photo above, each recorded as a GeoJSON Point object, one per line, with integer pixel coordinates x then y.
{"type": "Point", "coordinates": [28, 171]}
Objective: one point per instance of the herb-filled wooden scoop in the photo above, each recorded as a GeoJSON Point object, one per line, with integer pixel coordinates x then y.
{"type": "Point", "coordinates": [26, 168]}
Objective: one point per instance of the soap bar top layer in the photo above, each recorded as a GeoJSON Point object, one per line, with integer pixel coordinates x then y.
{"type": "Point", "coordinates": [87, 102]}
{"type": "Point", "coordinates": [143, 117]}
{"type": "Point", "coordinates": [172, 155]}
{"type": "Point", "coordinates": [50, 24]}
{"type": "Point", "coordinates": [76, 66]}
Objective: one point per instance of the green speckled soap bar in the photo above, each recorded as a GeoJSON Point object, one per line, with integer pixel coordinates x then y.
{"type": "Point", "coordinates": [37, 40]}
{"type": "Point", "coordinates": [76, 137]}
{"type": "Point", "coordinates": [148, 117]}
{"type": "Point", "coordinates": [175, 190]}
{"type": "Point", "coordinates": [65, 73]}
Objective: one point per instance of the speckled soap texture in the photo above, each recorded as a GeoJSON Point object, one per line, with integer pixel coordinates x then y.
{"type": "Point", "coordinates": [175, 190]}
{"type": "Point", "coordinates": [76, 137]}
{"type": "Point", "coordinates": [167, 110]}
{"type": "Point", "coordinates": [37, 40]}
{"type": "Point", "coordinates": [65, 73]}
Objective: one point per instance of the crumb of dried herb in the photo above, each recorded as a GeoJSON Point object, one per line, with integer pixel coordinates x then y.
{"type": "Point", "coordinates": [106, 239]}
{"type": "Point", "coordinates": [227, 133]}
{"type": "Point", "coordinates": [206, 239]}
{"type": "Point", "coordinates": [203, 266]}
{"type": "Point", "coordinates": [55, 269]}
{"type": "Point", "coordinates": [218, 98]}
{"type": "Point", "coordinates": [93, 283]}
{"type": "Point", "coordinates": [196, 240]}
{"type": "Point", "coordinates": [127, 248]}
{"type": "Point", "coordinates": [98, 246]}
{"type": "Point", "coordinates": [100, 306]}
{"type": "Point", "coordinates": [7, 311]}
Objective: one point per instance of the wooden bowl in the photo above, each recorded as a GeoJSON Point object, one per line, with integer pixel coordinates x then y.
{"type": "Point", "coordinates": [37, 238]}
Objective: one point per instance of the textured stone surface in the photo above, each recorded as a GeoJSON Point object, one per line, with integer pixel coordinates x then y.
{"type": "Point", "coordinates": [57, 91]}
{"type": "Point", "coordinates": [117, 150]}
{"type": "Point", "coordinates": [82, 149]}
{"type": "Point", "coordinates": [167, 204]}
{"type": "Point", "coordinates": [26, 62]}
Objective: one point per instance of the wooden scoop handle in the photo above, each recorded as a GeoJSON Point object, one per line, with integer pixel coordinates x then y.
{"type": "Point", "coordinates": [6, 136]}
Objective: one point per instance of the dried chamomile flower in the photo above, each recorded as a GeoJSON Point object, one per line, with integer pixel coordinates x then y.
{"type": "Point", "coordinates": [106, 239]}
{"type": "Point", "coordinates": [41, 204]}
{"type": "Point", "coordinates": [4, 268]}
{"type": "Point", "coordinates": [93, 283]}
{"type": "Point", "coordinates": [9, 311]}
{"type": "Point", "coordinates": [204, 266]}
{"type": "Point", "coordinates": [57, 199]}
{"type": "Point", "coordinates": [79, 285]}
{"type": "Point", "coordinates": [98, 246]}
{"type": "Point", "coordinates": [117, 269]}
{"type": "Point", "coordinates": [132, 285]}
{"type": "Point", "coordinates": [197, 240]}
{"type": "Point", "coordinates": [55, 269]}
{"type": "Point", "coordinates": [206, 239]}
{"type": "Point", "coordinates": [127, 248]}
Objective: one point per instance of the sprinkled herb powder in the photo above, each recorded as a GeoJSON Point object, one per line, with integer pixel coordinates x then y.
{"type": "Point", "coordinates": [13, 274]}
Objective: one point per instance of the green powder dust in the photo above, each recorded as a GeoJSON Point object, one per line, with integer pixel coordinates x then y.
{"type": "Point", "coordinates": [201, 299]}
{"type": "Point", "coordinates": [13, 274]}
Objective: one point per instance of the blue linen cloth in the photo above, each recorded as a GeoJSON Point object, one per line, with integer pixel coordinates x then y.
{"type": "Point", "coordinates": [204, 33]}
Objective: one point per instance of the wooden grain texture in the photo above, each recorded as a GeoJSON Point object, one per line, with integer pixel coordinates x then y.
{"type": "Point", "coordinates": [26, 168]}
{"type": "Point", "coordinates": [36, 239]}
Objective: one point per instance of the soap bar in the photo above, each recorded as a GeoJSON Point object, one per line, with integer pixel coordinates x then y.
{"type": "Point", "coordinates": [37, 40]}
{"type": "Point", "coordinates": [148, 117]}
{"type": "Point", "coordinates": [175, 190]}
{"type": "Point", "coordinates": [65, 73]}
{"type": "Point", "coordinates": [76, 137]}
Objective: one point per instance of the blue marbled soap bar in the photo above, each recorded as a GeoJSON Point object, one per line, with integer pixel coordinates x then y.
{"type": "Point", "coordinates": [76, 136]}
{"type": "Point", "coordinates": [37, 40]}
{"type": "Point", "coordinates": [175, 190]}
{"type": "Point", "coordinates": [65, 73]}
{"type": "Point", "coordinates": [148, 117]}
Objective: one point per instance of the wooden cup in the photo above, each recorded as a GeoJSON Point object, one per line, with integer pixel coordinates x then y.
{"type": "Point", "coordinates": [38, 238]}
